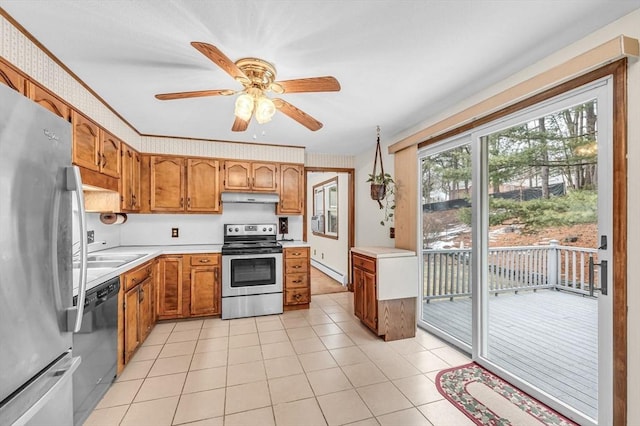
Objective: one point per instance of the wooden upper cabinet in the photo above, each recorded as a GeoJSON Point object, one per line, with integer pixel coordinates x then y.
{"type": "Point", "coordinates": [48, 100]}
{"type": "Point", "coordinates": [86, 142]}
{"type": "Point", "coordinates": [109, 151]}
{"type": "Point", "coordinates": [12, 78]}
{"type": "Point", "coordinates": [264, 177]}
{"type": "Point", "coordinates": [167, 184]}
{"type": "Point", "coordinates": [203, 189]}
{"type": "Point", "coordinates": [129, 178]}
{"type": "Point", "coordinates": [291, 189]}
{"type": "Point", "coordinates": [250, 176]}
{"type": "Point", "coordinates": [237, 175]}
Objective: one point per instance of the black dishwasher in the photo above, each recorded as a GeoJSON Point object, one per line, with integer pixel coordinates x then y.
{"type": "Point", "coordinates": [97, 345]}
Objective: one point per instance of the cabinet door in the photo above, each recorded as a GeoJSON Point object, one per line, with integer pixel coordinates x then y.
{"type": "Point", "coordinates": [291, 189]}
{"type": "Point", "coordinates": [167, 184]}
{"type": "Point", "coordinates": [131, 332]}
{"type": "Point", "coordinates": [12, 78]}
{"type": "Point", "coordinates": [48, 100]}
{"type": "Point", "coordinates": [135, 180]}
{"type": "Point", "coordinates": [145, 296]}
{"type": "Point", "coordinates": [86, 142]}
{"type": "Point", "coordinates": [202, 185]}
{"type": "Point", "coordinates": [264, 177]}
{"type": "Point", "coordinates": [205, 290]}
{"type": "Point", "coordinates": [170, 287]}
{"type": "Point", "coordinates": [358, 293]}
{"type": "Point", "coordinates": [126, 168]}
{"type": "Point", "coordinates": [109, 154]}
{"type": "Point", "coordinates": [370, 301]}
{"type": "Point", "coordinates": [237, 175]}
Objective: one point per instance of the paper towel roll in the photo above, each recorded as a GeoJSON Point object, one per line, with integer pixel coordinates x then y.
{"type": "Point", "coordinates": [113, 218]}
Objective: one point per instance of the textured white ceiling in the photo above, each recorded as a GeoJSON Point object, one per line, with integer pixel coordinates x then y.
{"type": "Point", "coordinates": [399, 62]}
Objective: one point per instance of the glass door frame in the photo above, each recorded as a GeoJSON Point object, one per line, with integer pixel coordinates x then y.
{"type": "Point", "coordinates": [602, 89]}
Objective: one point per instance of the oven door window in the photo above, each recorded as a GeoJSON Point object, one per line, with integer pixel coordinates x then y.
{"type": "Point", "coordinates": [253, 272]}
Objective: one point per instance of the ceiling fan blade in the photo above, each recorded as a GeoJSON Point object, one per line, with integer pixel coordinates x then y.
{"type": "Point", "coordinates": [196, 94]}
{"type": "Point", "coordinates": [313, 84]}
{"type": "Point", "coordinates": [297, 114]}
{"type": "Point", "coordinates": [220, 59]}
{"type": "Point", "coordinates": [239, 125]}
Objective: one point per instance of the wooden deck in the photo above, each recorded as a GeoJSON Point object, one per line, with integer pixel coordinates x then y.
{"type": "Point", "coordinates": [547, 338]}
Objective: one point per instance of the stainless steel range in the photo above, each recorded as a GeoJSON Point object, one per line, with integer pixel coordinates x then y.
{"type": "Point", "coordinates": [251, 271]}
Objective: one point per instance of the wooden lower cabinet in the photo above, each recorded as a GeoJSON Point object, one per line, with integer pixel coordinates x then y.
{"type": "Point", "coordinates": [170, 287]}
{"type": "Point", "coordinates": [205, 297]}
{"type": "Point", "coordinates": [137, 289]}
{"type": "Point", "coordinates": [365, 302]}
{"type": "Point", "coordinates": [392, 319]}
{"type": "Point", "coordinates": [297, 279]}
{"type": "Point", "coordinates": [189, 286]}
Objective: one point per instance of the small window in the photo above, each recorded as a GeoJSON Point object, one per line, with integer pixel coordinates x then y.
{"type": "Point", "coordinates": [324, 222]}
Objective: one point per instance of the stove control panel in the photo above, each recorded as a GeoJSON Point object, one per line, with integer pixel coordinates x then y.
{"type": "Point", "coordinates": [249, 230]}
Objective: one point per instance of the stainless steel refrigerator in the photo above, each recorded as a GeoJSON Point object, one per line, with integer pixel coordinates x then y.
{"type": "Point", "coordinates": [37, 316]}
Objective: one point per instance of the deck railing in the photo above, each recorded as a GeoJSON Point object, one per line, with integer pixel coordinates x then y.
{"type": "Point", "coordinates": [447, 273]}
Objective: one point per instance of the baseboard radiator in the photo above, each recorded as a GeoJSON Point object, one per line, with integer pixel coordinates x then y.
{"type": "Point", "coordinates": [336, 275]}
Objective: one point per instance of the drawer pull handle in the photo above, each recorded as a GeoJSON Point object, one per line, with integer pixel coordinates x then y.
{"type": "Point", "coordinates": [297, 281]}
{"type": "Point", "coordinates": [297, 266]}
{"type": "Point", "coordinates": [205, 260]}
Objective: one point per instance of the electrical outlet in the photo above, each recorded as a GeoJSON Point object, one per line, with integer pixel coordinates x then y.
{"type": "Point", "coordinates": [174, 232]}
{"type": "Point", "coordinates": [91, 237]}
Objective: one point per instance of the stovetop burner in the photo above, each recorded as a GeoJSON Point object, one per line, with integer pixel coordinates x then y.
{"type": "Point", "coordinates": [250, 239]}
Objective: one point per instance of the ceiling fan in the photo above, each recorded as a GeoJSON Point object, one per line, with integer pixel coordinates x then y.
{"type": "Point", "coordinates": [258, 77]}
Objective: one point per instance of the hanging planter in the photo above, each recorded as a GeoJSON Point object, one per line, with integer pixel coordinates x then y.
{"type": "Point", "coordinates": [382, 184]}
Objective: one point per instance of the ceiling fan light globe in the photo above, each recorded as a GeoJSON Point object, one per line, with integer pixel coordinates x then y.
{"type": "Point", "coordinates": [244, 107]}
{"type": "Point", "coordinates": [265, 109]}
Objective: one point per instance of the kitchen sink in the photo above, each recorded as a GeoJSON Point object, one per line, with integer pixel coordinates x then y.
{"type": "Point", "coordinates": [110, 260]}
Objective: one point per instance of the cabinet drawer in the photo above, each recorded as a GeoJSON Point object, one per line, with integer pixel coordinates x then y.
{"type": "Point", "coordinates": [296, 296]}
{"type": "Point", "coordinates": [294, 253]}
{"type": "Point", "coordinates": [135, 277]}
{"type": "Point", "coordinates": [366, 263]}
{"type": "Point", "coordinates": [204, 259]}
{"type": "Point", "coordinates": [294, 266]}
{"type": "Point", "coordinates": [295, 281]}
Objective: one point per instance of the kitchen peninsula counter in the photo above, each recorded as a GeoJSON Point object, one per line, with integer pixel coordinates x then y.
{"type": "Point", "coordinates": [385, 282]}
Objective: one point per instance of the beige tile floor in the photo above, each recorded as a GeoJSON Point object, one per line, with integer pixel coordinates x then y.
{"type": "Point", "coordinates": [319, 366]}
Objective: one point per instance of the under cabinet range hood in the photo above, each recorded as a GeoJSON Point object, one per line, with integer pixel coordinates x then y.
{"type": "Point", "coordinates": [250, 197]}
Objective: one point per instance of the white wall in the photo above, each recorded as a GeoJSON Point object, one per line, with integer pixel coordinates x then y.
{"type": "Point", "coordinates": [369, 232]}
{"type": "Point", "coordinates": [330, 252]}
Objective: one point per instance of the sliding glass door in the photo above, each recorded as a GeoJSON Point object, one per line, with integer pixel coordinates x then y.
{"type": "Point", "coordinates": [516, 233]}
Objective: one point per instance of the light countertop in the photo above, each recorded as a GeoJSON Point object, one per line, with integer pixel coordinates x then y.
{"type": "Point", "coordinates": [382, 252]}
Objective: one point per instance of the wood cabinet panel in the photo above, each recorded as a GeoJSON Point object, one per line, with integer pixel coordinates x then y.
{"type": "Point", "coordinates": [131, 335]}
{"type": "Point", "coordinates": [365, 263]}
{"type": "Point", "coordinates": [145, 298]}
{"type": "Point", "coordinates": [48, 100]}
{"type": "Point", "coordinates": [250, 176]}
{"type": "Point", "coordinates": [264, 177]}
{"type": "Point", "coordinates": [109, 157]}
{"type": "Point", "coordinates": [204, 259]}
{"type": "Point", "coordinates": [297, 279]}
{"type": "Point", "coordinates": [237, 175]}
{"type": "Point", "coordinates": [169, 287]}
{"type": "Point", "coordinates": [297, 296]}
{"type": "Point", "coordinates": [167, 184]}
{"type": "Point", "coordinates": [86, 142]}
{"type": "Point", "coordinates": [365, 299]}
{"type": "Point", "coordinates": [130, 196]}
{"type": "Point", "coordinates": [203, 188]}
{"type": "Point", "coordinates": [291, 189]}
{"type": "Point", "coordinates": [137, 276]}
{"type": "Point", "coordinates": [205, 290]}
{"type": "Point", "coordinates": [12, 78]}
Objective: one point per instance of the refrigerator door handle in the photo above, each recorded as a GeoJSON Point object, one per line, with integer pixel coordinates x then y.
{"type": "Point", "coordinates": [63, 375]}
{"type": "Point", "coordinates": [74, 313]}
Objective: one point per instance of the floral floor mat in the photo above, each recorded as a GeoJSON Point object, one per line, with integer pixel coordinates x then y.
{"type": "Point", "coordinates": [488, 400]}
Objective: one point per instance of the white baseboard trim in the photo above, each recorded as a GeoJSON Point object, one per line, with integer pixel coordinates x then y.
{"type": "Point", "coordinates": [338, 276]}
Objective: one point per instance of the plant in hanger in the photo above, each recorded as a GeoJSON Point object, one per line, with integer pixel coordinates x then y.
{"type": "Point", "coordinates": [382, 186]}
